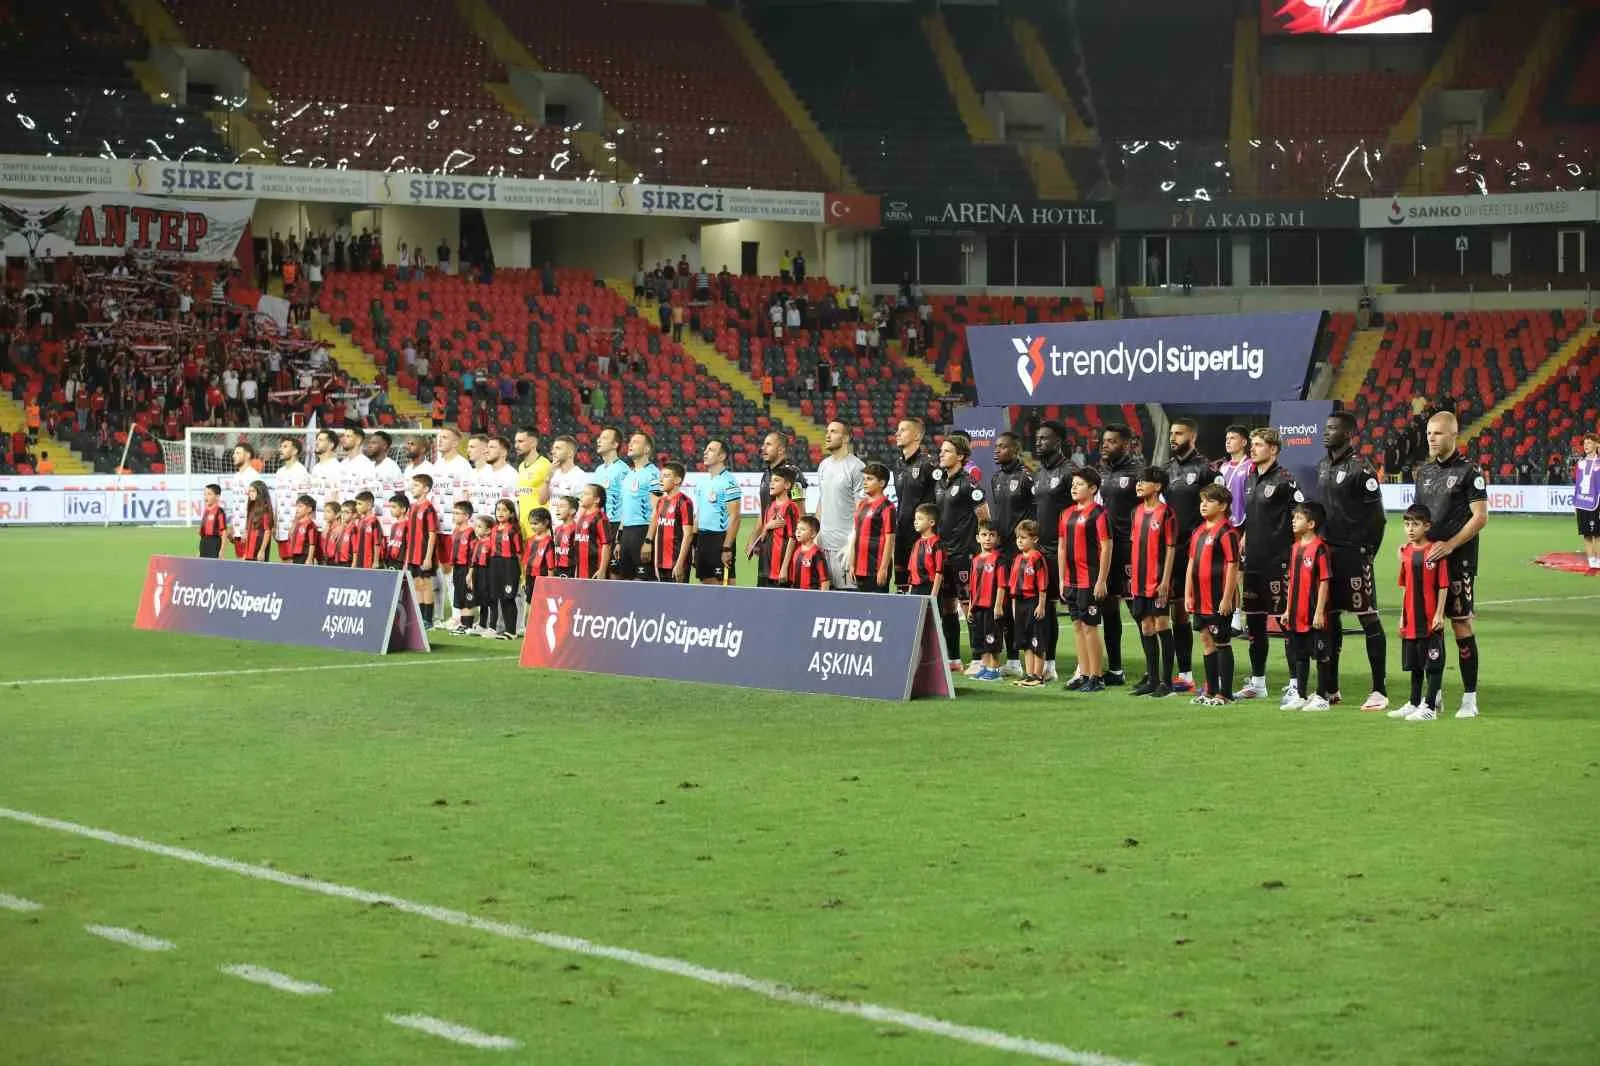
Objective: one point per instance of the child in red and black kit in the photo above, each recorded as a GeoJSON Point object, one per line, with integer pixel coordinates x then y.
{"type": "Point", "coordinates": [538, 555]}
{"type": "Point", "coordinates": [304, 540]}
{"type": "Point", "coordinates": [213, 524]}
{"type": "Point", "coordinates": [504, 563]}
{"type": "Point", "coordinates": [394, 555]}
{"type": "Point", "coordinates": [1305, 615]}
{"type": "Point", "coordinates": [480, 581]}
{"type": "Point", "coordinates": [809, 567]}
{"type": "Point", "coordinates": [989, 579]}
{"type": "Point", "coordinates": [1030, 578]}
{"type": "Point", "coordinates": [457, 562]}
{"type": "Point", "coordinates": [1425, 583]}
{"type": "Point", "coordinates": [775, 542]}
{"type": "Point", "coordinates": [1211, 592]}
{"type": "Point", "coordinates": [563, 515]}
{"type": "Point", "coordinates": [926, 565]}
{"type": "Point", "coordinates": [328, 542]}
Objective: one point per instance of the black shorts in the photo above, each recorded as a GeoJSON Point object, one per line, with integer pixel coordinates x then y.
{"type": "Point", "coordinates": [869, 584]}
{"type": "Point", "coordinates": [1030, 630]}
{"type": "Point", "coordinates": [1265, 591]}
{"type": "Point", "coordinates": [505, 578]}
{"type": "Point", "coordinates": [983, 630]}
{"type": "Point", "coordinates": [666, 576]}
{"type": "Point", "coordinates": [708, 564]}
{"type": "Point", "coordinates": [1052, 565]}
{"type": "Point", "coordinates": [1142, 607]}
{"type": "Point", "coordinates": [957, 579]}
{"type": "Point", "coordinates": [1120, 578]}
{"type": "Point", "coordinates": [1589, 523]}
{"type": "Point", "coordinates": [479, 593]}
{"type": "Point", "coordinates": [1312, 646]}
{"type": "Point", "coordinates": [1424, 654]}
{"type": "Point", "coordinates": [902, 559]}
{"type": "Point", "coordinates": [420, 569]}
{"type": "Point", "coordinates": [627, 561]}
{"type": "Point", "coordinates": [210, 547]}
{"type": "Point", "coordinates": [1354, 588]}
{"type": "Point", "coordinates": [1219, 626]}
{"type": "Point", "coordinates": [921, 590]}
{"type": "Point", "coordinates": [1458, 602]}
{"type": "Point", "coordinates": [1082, 606]}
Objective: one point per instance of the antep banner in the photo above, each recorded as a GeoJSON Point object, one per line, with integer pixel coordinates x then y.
{"type": "Point", "coordinates": [835, 643]}
{"type": "Point", "coordinates": [982, 426]}
{"type": "Point", "coordinates": [1300, 424]}
{"type": "Point", "coordinates": [280, 603]}
{"type": "Point", "coordinates": [1223, 359]}
{"type": "Point", "coordinates": [99, 224]}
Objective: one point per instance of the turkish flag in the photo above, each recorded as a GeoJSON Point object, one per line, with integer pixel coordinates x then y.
{"type": "Point", "coordinates": [861, 211]}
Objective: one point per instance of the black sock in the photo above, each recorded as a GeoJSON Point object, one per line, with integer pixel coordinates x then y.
{"type": "Point", "coordinates": [508, 614]}
{"type": "Point", "coordinates": [1325, 678]}
{"type": "Point", "coordinates": [1050, 631]}
{"type": "Point", "coordinates": [1300, 670]}
{"type": "Point", "coordinates": [1467, 659]}
{"type": "Point", "coordinates": [427, 613]}
{"type": "Point", "coordinates": [1151, 658]}
{"type": "Point", "coordinates": [1010, 630]}
{"type": "Point", "coordinates": [1335, 633]}
{"type": "Point", "coordinates": [1213, 685]}
{"type": "Point", "coordinates": [486, 615]}
{"type": "Point", "coordinates": [1435, 685]}
{"type": "Point", "coordinates": [1113, 628]}
{"type": "Point", "coordinates": [952, 636]}
{"type": "Point", "coordinates": [1416, 688]}
{"type": "Point", "coordinates": [1164, 641]}
{"type": "Point", "coordinates": [1377, 651]}
{"type": "Point", "coordinates": [1256, 626]}
{"type": "Point", "coordinates": [1183, 638]}
{"type": "Point", "coordinates": [1225, 668]}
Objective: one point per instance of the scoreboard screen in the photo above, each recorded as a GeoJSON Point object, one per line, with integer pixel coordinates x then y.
{"type": "Point", "coordinates": [1342, 17]}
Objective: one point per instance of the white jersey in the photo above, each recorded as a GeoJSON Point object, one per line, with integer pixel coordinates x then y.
{"type": "Point", "coordinates": [841, 486]}
{"type": "Point", "coordinates": [325, 487]}
{"type": "Point", "coordinates": [425, 467]}
{"type": "Point", "coordinates": [452, 482]}
{"type": "Point", "coordinates": [291, 481]}
{"type": "Point", "coordinates": [357, 475]}
{"type": "Point", "coordinates": [386, 477]}
{"type": "Point", "coordinates": [235, 498]}
{"type": "Point", "coordinates": [568, 482]}
{"type": "Point", "coordinates": [490, 486]}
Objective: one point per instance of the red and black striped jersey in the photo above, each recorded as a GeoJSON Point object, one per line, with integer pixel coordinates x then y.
{"type": "Point", "coordinates": [482, 550]}
{"type": "Point", "coordinates": [1085, 532]}
{"type": "Point", "coordinates": [1029, 575]}
{"type": "Point", "coordinates": [422, 523]}
{"type": "Point", "coordinates": [674, 517]}
{"type": "Point", "coordinates": [590, 534]}
{"type": "Point", "coordinates": [988, 580]}
{"type": "Point", "coordinates": [328, 544]}
{"type": "Point", "coordinates": [1214, 548]}
{"type": "Point", "coordinates": [775, 542]}
{"type": "Point", "coordinates": [458, 546]}
{"type": "Point", "coordinates": [214, 523]}
{"type": "Point", "coordinates": [539, 554]}
{"type": "Point", "coordinates": [344, 552]}
{"type": "Point", "coordinates": [506, 540]}
{"type": "Point", "coordinates": [395, 551]}
{"type": "Point", "coordinates": [369, 546]}
{"type": "Point", "coordinates": [304, 541]}
{"type": "Point", "coordinates": [258, 535]}
{"type": "Point", "coordinates": [809, 567]}
{"type": "Point", "coordinates": [561, 549]}
{"type": "Point", "coordinates": [1424, 583]}
{"type": "Point", "coordinates": [1309, 568]}
{"type": "Point", "coordinates": [874, 522]}
{"type": "Point", "coordinates": [1155, 529]}
{"type": "Point", "coordinates": [927, 559]}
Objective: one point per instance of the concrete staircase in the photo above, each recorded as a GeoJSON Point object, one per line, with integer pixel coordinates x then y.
{"type": "Point", "coordinates": [1242, 101]}
{"type": "Point", "coordinates": [726, 370]}
{"type": "Point", "coordinates": [1577, 347]}
{"type": "Point", "coordinates": [1358, 360]}
{"type": "Point", "coordinates": [1044, 74]}
{"type": "Point", "coordinates": [1405, 132]}
{"type": "Point", "coordinates": [482, 20]}
{"type": "Point", "coordinates": [1546, 49]}
{"type": "Point", "coordinates": [968, 103]}
{"type": "Point", "coordinates": [755, 53]}
{"type": "Point", "coordinates": [361, 366]}
{"type": "Point", "coordinates": [67, 461]}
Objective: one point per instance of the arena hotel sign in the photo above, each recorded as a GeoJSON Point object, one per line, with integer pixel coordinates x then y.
{"type": "Point", "coordinates": [952, 215]}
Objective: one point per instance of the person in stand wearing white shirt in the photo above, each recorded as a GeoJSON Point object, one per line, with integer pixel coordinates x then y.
{"type": "Point", "coordinates": [230, 385]}
{"type": "Point", "coordinates": [291, 482]}
{"type": "Point", "coordinates": [248, 390]}
{"type": "Point", "coordinates": [842, 476]}
{"type": "Point", "coordinates": [566, 477]}
{"type": "Point", "coordinates": [325, 472]}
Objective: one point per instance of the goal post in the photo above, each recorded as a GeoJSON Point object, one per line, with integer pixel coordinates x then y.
{"type": "Point", "coordinates": [205, 456]}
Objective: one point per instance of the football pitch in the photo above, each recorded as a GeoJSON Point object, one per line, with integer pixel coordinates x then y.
{"type": "Point", "coordinates": [224, 853]}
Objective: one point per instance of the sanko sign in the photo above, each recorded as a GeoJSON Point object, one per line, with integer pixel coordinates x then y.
{"type": "Point", "coordinates": [1510, 209]}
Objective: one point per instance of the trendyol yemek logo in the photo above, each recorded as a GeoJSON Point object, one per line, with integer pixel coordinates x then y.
{"type": "Point", "coordinates": [1030, 361]}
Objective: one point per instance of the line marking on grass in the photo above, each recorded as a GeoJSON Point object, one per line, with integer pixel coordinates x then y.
{"type": "Point", "coordinates": [17, 903]}
{"type": "Point", "coordinates": [458, 1034]}
{"type": "Point", "coordinates": [921, 1023]}
{"type": "Point", "coordinates": [132, 939]}
{"type": "Point", "coordinates": [1536, 599]}
{"type": "Point", "coordinates": [391, 664]}
{"type": "Point", "coordinates": [273, 979]}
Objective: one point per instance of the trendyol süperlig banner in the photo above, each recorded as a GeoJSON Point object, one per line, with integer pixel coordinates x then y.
{"type": "Point", "coordinates": [281, 603]}
{"type": "Point", "coordinates": [1186, 359]}
{"type": "Point", "coordinates": [102, 224]}
{"type": "Point", "coordinates": [834, 643]}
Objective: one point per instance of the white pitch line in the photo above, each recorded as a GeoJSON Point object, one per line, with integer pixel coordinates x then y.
{"type": "Point", "coordinates": [17, 903]}
{"type": "Point", "coordinates": [395, 663]}
{"type": "Point", "coordinates": [1535, 599]}
{"type": "Point", "coordinates": [458, 1034]}
{"type": "Point", "coordinates": [132, 939]}
{"type": "Point", "coordinates": [921, 1023]}
{"type": "Point", "coordinates": [273, 979]}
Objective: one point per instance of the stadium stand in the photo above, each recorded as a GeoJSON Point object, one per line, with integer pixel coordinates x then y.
{"type": "Point", "coordinates": [1546, 427]}
{"type": "Point", "coordinates": [694, 111]}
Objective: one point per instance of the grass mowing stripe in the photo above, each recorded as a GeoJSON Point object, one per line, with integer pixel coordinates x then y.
{"type": "Point", "coordinates": [458, 1034]}
{"type": "Point", "coordinates": [132, 939]}
{"type": "Point", "coordinates": [17, 903]}
{"type": "Point", "coordinates": [921, 1023]}
{"type": "Point", "coordinates": [378, 664]}
{"type": "Point", "coordinates": [260, 975]}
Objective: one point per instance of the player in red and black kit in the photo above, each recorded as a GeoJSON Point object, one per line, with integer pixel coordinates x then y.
{"type": "Point", "coordinates": [925, 566]}
{"type": "Point", "coordinates": [672, 527]}
{"type": "Point", "coordinates": [1153, 558]}
{"type": "Point", "coordinates": [539, 553]}
{"type": "Point", "coordinates": [1010, 501]}
{"type": "Point", "coordinates": [870, 553]}
{"type": "Point", "coordinates": [213, 524]}
{"type": "Point", "coordinates": [1030, 600]}
{"type": "Point", "coordinates": [1305, 614]}
{"type": "Point", "coordinates": [456, 558]}
{"type": "Point", "coordinates": [1424, 582]}
{"type": "Point", "coordinates": [505, 559]}
{"type": "Point", "coordinates": [260, 527]}
{"type": "Point", "coordinates": [1084, 557]}
{"type": "Point", "coordinates": [1212, 590]}
{"type": "Point", "coordinates": [369, 543]}
{"type": "Point", "coordinates": [808, 569]}
{"type": "Point", "coordinates": [962, 505]}
{"type": "Point", "coordinates": [304, 541]}
{"type": "Point", "coordinates": [775, 541]}
{"type": "Point", "coordinates": [564, 519]}
{"type": "Point", "coordinates": [591, 537]}
{"type": "Point", "coordinates": [989, 577]}
{"type": "Point", "coordinates": [394, 551]}
{"type": "Point", "coordinates": [422, 543]}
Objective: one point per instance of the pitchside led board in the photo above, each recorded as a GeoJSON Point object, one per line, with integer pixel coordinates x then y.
{"type": "Point", "coordinates": [1226, 360]}
{"type": "Point", "coordinates": [372, 611]}
{"type": "Point", "coordinates": [835, 643]}
{"type": "Point", "coordinates": [1299, 424]}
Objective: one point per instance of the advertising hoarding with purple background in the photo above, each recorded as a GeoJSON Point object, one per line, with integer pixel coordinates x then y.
{"type": "Point", "coordinates": [1207, 359]}
{"type": "Point", "coordinates": [981, 426]}
{"type": "Point", "coordinates": [372, 611]}
{"type": "Point", "coordinates": [835, 643]}
{"type": "Point", "coordinates": [1299, 424]}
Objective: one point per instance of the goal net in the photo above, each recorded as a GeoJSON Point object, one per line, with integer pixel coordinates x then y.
{"type": "Point", "coordinates": [234, 457]}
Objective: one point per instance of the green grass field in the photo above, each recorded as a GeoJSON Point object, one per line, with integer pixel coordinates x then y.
{"type": "Point", "coordinates": [1150, 881]}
